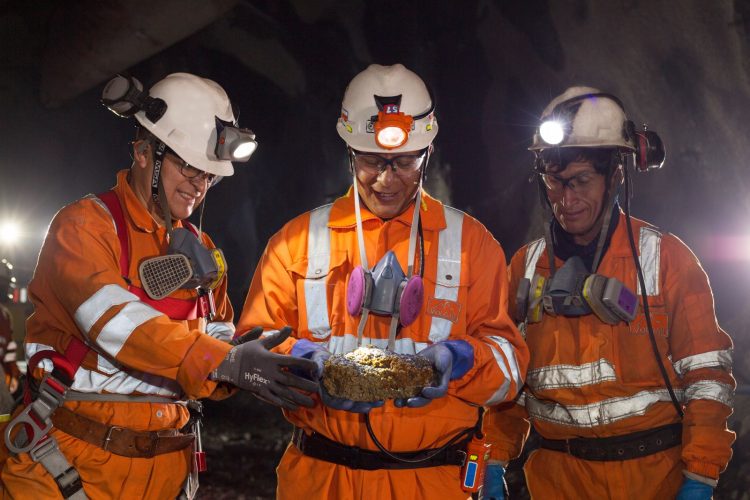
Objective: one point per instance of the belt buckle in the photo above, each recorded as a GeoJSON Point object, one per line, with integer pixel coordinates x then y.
{"type": "Point", "coordinates": [108, 436]}
{"type": "Point", "coordinates": [567, 447]}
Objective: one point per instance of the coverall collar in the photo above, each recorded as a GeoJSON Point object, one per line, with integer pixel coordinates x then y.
{"type": "Point", "coordinates": [133, 207]}
{"type": "Point", "coordinates": [619, 246]}
{"type": "Point", "coordinates": [432, 217]}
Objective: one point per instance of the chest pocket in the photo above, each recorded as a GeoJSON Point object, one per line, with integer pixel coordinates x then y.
{"type": "Point", "coordinates": [322, 282]}
{"type": "Point", "coordinates": [445, 305]}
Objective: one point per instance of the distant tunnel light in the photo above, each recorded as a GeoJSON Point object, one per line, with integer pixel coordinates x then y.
{"type": "Point", "coordinates": [728, 248]}
{"type": "Point", "coordinates": [10, 233]}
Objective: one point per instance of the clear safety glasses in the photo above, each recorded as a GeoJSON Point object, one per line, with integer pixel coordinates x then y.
{"type": "Point", "coordinates": [375, 164]}
{"type": "Point", "coordinates": [580, 183]}
{"type": "Point", "coordinates": [189, 171]}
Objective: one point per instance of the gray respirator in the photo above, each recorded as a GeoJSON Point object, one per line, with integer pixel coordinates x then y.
{"type": "Point", "coordinates": [188, 264]}
{"type": "Point", "coordinates": [573, 291]}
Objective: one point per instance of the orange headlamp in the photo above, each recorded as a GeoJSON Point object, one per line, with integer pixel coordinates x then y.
{"type": "Point", "coordinates": [392, 129]}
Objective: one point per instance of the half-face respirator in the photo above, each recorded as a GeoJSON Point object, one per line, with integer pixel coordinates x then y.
{"type": "Point", "coordinates": [385, 291]}
{"type": "Point", "coordinates": [573, 291]}
{"type": "Point", "coordinates": [188, 264]}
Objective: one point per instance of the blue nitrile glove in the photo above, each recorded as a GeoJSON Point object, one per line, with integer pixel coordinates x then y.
{"type": "Point", "coordinates": [317, 353]}
{"type": "Point", "coordinates": [313, 351]}
{"type": "Point", "coordinates": [694, 490]}
{"type": "Point", "coordinates": [451, 359]}
{"type": "Point", "coordinates": [347, 404]}
{"type": "Point", "coordinates": [494, 483]}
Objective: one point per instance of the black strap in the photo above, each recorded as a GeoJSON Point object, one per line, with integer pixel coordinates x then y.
{"type": "Point", "coordinates": [625, 447]}
{"type": "Point", "coordinates": [318, 446]}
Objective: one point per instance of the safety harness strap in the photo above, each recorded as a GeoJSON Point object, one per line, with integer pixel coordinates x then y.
{"type": "Point", "coordinates": [318, 446]}
{"type": "Point", "coordinates": [179, 309]}
{"type": "Point", "coordinates": [68, 481]}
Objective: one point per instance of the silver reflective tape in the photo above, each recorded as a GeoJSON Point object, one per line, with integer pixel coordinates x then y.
{"type": "Point", "coordinates": [120, 382]}
{"type": "Point", "coordinates": [448, 276]}
{"type": "Point", "coordinates": [533, 252]}
{"type": "Point", "coordinates": [348, 343]}
{"type": "Point", "coordinates": [650, 250]}
{"type": "Point", "coordinates": [502, 392]}
{"type": "Point", "coordinates": [710, 389]}
{"type": "Point", "coordinates": [595, 414]}
{"type": "Point", "coordinates": [713, 359]}
{"type": "Point", "coordinates": [221, 330]}
{"type": "Point", "coordinates": [95, 306]}
{"type": "Point", "coordinates": [521, 398]}
{"type": "Point", "coordinates": [318, 265]}
{"type": "Point", "coordinates": [118, 329]}
{"type": "Point", "coordinates": [557, 376]}
{"type": "Point", "coordinates": [510, 356]}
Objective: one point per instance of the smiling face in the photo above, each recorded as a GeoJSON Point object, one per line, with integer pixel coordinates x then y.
{"type": "Point", "coordinates": [184, 186]}
{"type": "Point", "coordinates": [183, 194]}
{"type": "Point", "coordinates": [389, 192]}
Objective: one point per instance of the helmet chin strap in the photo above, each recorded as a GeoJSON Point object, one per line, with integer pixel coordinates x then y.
{"type": "Point", "coordinates": [393, 330]}
{"type": "Point", "coordinates": [158, 196]}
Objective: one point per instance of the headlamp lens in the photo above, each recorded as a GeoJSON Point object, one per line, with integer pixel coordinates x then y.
{"type": "Point", "coordinates": [243, 150]}
{"type": "Point", "coordinates": [392, 129]}
{"type": "Point", "coordinates": [552, 132]}
{"type": "Point", "coordinates": [391, 137]}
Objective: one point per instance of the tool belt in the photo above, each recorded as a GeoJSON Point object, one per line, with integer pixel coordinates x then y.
{"type": "Point", "coordinates": [121, 440]}
{"type": "Point", "coordinates": [625, 447]}
{"type": "Point", "coordinates": [322, 448]}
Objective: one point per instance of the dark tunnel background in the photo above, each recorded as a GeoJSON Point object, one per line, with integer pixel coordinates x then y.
{"type": "Point", "coordinates": [682, 66]}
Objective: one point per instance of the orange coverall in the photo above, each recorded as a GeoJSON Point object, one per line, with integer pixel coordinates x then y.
{"type": "Point", "coordinates": [78, 291]}
{"type": "Point", "coordinates": [283, 292]}
{"type": "Point", "coordinates": [590, 379]}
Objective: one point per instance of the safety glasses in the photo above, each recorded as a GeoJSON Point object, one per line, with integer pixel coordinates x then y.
{"type": "Point", "coordinates": [375, 164]}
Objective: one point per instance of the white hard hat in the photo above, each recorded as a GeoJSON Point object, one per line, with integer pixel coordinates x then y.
{"type": "Point", "coordinates": [584, 117]}
{"type": "Point", "coordinates": [392, 101]}
{"type": "Point", "coordinates": [188, 125]}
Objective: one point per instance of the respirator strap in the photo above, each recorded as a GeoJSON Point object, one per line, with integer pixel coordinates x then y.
{"type": "Point", "coordinates": [361, 326]}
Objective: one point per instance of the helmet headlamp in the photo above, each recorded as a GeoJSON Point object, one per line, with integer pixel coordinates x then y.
{"type": "Point", "coordinates": [552, 132]}
{"type": "Point", "coordinates": [391, 126]}
{"type": "Point", "coordinates": [392, 130]}
{"type": "Point", "coordinates": [234, 144]}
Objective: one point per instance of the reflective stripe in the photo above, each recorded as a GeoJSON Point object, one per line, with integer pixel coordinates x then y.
{"type": "Point", "coordinates": [121, 382]}
{"type": "Point", "coordinates": [510, 356]}
{"type": "Point", "coordinates": [318, 265]}
{"type": "Point", "coordinates": [502, 392]}
{"type": "Point", "coordinates": [595, 414]}
{"type": "Point", "coordinates": [721, 359]}
{"type": "Point", "coordinates": [521, 398]}
{"type": "Point", "coordinates": [95, 306]}
{"type": "Point", "coordinates": [118, 329]}
{"type": "Point", "coordinates": [557, 376]}
{"type": "Point", "coordinates": [116, 381]}
{"type": "Point", "coordinates": [221, 330]}
{"type": "Point", "coordinates": [448, 276]}
{"type": "Point", "coordinates": [650, 250]}
{"type": "Point", "coordinates": [533, 252]}
{"type": "Point", "coordinates": [710, 389]}
{"type": "Point", "coordinates": [348, 342]}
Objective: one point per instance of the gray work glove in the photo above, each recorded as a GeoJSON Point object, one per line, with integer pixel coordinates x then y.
{"type": "Point", "coordinates": [252, 366]}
